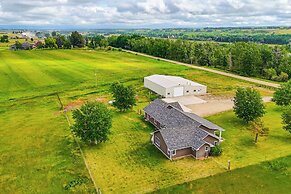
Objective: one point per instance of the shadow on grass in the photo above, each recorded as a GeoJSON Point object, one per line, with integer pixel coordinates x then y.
{"type": "Point", "coordinates": [284, 138]}
{"type": "Point", "coordinates": [147, 155]}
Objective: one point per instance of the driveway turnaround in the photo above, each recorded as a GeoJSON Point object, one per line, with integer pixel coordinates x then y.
{"type": "Point", "coordinates": [216, 105]}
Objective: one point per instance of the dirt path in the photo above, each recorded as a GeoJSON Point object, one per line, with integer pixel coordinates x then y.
{"type": "Point", "coordinates": [215, 105]}
{"type": "Point", "coordinates": [265, 83]}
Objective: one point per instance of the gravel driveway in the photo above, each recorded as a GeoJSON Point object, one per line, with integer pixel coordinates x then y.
{"type": "Point", "coordinates": [215, 105]}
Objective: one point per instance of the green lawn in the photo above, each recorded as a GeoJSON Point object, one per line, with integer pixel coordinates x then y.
{"type": "Point", "coordinates": [267, 177]}
{"type": "Point", "coordinates": [39, 156]}
{"type": "Point", "coordinates": [132, 164]}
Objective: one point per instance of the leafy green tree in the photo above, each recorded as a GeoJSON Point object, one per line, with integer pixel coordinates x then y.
{"type": "Point", "coordinates": [103, 43]}
{"type": "Point", "coordinates": [54, 34]}
{"type": "Point", "coordinates": [282, 95]}
{"type": "Point", "coordinates": [92, 122]}
{"type": "Point", "coordinates": [124, 96]}
{"type": "Point", "coordinates": [77, 40]}
{"type": "Point", "coordinates": [60, 40]}
{"type": "Point", "coordinates": [286, 116]}
{"type": "Point", "coordinates": [4, 38]}
{"type": "Point", "coordinates": [248, 104]}
{"type": "Point", "coordinates": [246, 58]}
{"type": "Point", "coordinates": [50, 43]}
{"type": "Point", "coordinates": [67, 44]}
{"type": "Point", "coordinates": [18, 45]}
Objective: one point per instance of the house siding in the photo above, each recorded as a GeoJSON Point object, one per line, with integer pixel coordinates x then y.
{"type": "Point", "coordinates": [211, 139]}
{"type": "Point", "coordinates": [183, 152]}
{"type": "Point", "coordinates": [201, 153]}
{"type": "Point", "coordinates": [163, 145]}
{"type": "Point", "coordinates": [152, 120]}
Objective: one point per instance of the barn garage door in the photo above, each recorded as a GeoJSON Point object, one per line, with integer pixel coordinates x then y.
{"type": "Point", "coordinates": [178, 91]}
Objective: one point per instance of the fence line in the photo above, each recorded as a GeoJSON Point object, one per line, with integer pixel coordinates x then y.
{"type": "Point", "coordinates": [98, 190]}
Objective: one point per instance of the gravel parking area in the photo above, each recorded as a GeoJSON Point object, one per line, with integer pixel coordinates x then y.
{"type": "Point", "coordinates": [215, 105]}
{"type": "Point", "coordinates": [206, 105]}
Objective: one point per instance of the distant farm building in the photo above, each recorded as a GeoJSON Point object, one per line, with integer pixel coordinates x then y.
{"type": "Point", "coordinates": [173, 86]}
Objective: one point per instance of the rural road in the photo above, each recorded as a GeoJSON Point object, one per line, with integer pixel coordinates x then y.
{"type": "Point", "coordinates": [265, 83]}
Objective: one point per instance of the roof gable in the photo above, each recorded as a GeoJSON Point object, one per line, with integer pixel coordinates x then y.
{"type": "Point", "coordinates": [179, 129]}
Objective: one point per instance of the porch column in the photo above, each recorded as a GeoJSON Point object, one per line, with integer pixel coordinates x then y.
{"type": "Point", "coordinates": [219, 134]}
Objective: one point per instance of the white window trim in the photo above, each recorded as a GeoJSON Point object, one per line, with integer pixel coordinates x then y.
{"type": "Point", "coordinates": [206, 148]}
{"type": "Point", "coordinates": [172, 152]}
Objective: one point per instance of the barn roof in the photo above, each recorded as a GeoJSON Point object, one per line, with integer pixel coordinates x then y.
{"type": "Point", "coordinates": [170, 81]}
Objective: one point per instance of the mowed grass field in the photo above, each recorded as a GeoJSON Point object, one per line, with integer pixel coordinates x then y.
{"type": "Point", "coordinates": [267, 177]}
{"type": "Point", "coordinates": [128, 162]}
{"type": "Point", "coordinates": [38, 154]}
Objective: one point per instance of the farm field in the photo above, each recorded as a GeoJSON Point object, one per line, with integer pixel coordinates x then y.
{"type": "Point", "coordinates": [29, 74]}
{"type": "Point", "coordinates": [32, 126]}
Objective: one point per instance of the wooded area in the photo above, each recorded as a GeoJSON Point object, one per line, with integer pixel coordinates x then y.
{"type": "Point", "coordinates": [247, 59]}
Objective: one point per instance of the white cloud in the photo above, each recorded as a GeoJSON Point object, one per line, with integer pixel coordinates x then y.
{"type": "Point", "coordinates": [142, 13]}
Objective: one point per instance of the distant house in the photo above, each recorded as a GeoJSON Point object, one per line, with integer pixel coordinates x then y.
{"type": "Point", "coordinates": [179, 134]}
{"type": "Point", "coordinates": [13, 47]}
{"type": "Point", "coordinates": [24, 35]}
{"type": "Point", "coordinates": [23, 46]}
{"type": "Point", "coordinates": [27, 46]}
{"type": "Point", "coordinates": [173, 86]}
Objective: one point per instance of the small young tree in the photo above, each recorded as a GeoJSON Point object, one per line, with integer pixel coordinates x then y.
{"type": "Point", "coordinates": [286, 116]}
{"type": "Point", "coordinates": [248, 104]}
{"type": "Point", "coordinates": [259, 129]}
{"type": "Point", "coordinates": [282, 95]}
{"type": "Point", "coordinates": [92, 122]}
{"type": "Point", "coordinates": [124, 96]}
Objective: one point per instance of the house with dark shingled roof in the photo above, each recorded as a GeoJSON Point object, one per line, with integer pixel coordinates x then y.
{"type": "Point", "coordinates": [179, 134]}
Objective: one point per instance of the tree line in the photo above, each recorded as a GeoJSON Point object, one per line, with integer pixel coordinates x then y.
{"type": "Point", "coordinates": [220, 35]}
{"type": "Point", "coordinates": [74, 40]}
{"type": "Point", "coordinates": [247, 59]}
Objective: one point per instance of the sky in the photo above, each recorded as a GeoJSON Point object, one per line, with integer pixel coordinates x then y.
{"type": "Point", "coordinates": [106, 14]}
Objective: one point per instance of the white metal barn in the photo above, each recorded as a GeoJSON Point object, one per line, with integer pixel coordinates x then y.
{"type": "Point", "coordinates": [173, 86]}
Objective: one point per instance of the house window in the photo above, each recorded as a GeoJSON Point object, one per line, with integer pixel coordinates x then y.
{"type": "Point", "coordinates": [169, 93]}
{"type": "Point", "coordinates": [187, 91]}
{"type": "Point", "coordinates": [172, 152]}
{"type": "Point", "coordinates": [157, 141]}
{"type": "Point", "coordinates": [194, 90]}
{"type": "Point", "coordinates": [206, 148]}
{"type": "Point", "coordinates": [215, 142]}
